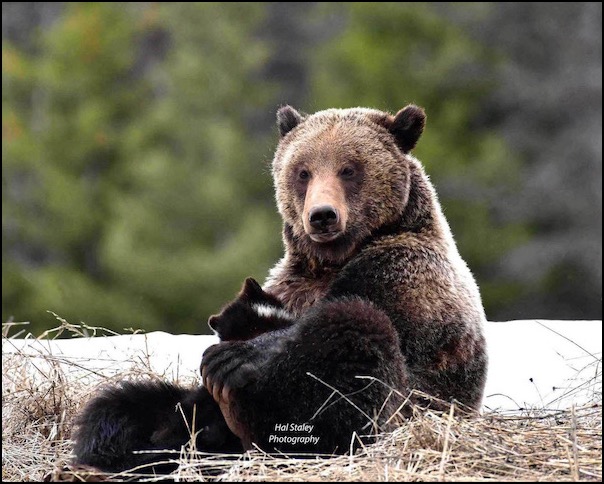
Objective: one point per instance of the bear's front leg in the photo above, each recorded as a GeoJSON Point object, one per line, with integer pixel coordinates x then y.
{"type": "Point", "coordinates": [227, 366]}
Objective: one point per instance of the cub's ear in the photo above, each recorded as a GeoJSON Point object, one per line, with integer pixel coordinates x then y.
{"type": "Point", "coordinates": [251, 290]}
{"type": "Point", "coordinates": [287, 119]}
{"type": "Point", "coordinates": [407, 126]}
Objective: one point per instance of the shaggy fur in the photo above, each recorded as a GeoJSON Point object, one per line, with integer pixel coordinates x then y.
{"type": "Point", "coordinates": [395, 254]}
{"type": "Point", "coordinates": [287, 377]}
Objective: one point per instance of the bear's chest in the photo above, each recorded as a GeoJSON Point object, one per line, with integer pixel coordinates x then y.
{"type": "Point", "coordinates": [298, 293]}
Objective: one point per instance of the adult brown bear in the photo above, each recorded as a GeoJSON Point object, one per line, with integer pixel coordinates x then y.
{"type": "Point", "coordinates": [371, 285]}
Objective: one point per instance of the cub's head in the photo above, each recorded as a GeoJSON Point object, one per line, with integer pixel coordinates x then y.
{"type": "Point", "coordinates": [250, 314]}
{"type": "Point", "coordinates": [342, 174]}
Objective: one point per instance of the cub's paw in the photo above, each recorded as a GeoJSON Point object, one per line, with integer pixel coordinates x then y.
{"type": "Point", "coordinates": [228, 367]}
{"type": "Point", "coordinates": [252, 313]}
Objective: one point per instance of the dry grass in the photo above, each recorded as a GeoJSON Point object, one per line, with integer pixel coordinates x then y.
{"type": "Point", "coordinates": [39, 400]}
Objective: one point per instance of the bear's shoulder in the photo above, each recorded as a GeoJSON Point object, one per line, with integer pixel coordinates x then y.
{"type": "Point", "coordinates": [411, 280]}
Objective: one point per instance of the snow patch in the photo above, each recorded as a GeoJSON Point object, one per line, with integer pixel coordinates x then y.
{"type": "Point", "coordinates": [532, 364]}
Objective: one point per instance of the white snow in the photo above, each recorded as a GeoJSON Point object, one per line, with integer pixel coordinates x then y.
{"type": "Point", "coordinates": [543, 364]}
{"type": "Point", "coordinates": [532, 363]}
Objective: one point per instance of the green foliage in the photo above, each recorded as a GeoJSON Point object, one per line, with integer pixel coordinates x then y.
{"type": "Point", "coordinates": [137, 208]}
{"type": "Point", "coordinates": [194, 221]}
{"type": "Point", "coordinates": [65, 109]}
{"type": "Point", "coordinates": [392, 54]}
{"type": "Point", "coordinates": [136, 186]}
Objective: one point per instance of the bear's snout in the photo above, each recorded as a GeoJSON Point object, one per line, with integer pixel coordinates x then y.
{"type": "Point", "coordinates": [325, 210]}
{"type": "Point", "coordinates": [324, 221]}
{"type": "Point", "coordinates": [323, 217]}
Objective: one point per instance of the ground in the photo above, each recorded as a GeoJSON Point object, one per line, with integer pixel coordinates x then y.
{"type": "Point", "coordinates": [552, 435]}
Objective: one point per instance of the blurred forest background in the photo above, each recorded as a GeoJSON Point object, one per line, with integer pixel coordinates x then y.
{"type": "Point", "coordinates": [137, 138]}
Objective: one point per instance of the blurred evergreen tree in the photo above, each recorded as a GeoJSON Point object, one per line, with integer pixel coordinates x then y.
{"type": "Point", "coordinates": [548, 108]}
{"type": "Point", "coordinates": [391, 54]}
{"type": "Point", "coordinates": [64, 109]}
{"type": "Point", "coordinates": [198, 215]}
{"type": "Point", "coordinates": [134, 198]}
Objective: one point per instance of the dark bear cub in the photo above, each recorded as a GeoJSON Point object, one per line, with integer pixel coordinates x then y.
{"type": "Point", "coordinates": [148, 416]}
{"type": "Point", "coordinates": [303, 405]}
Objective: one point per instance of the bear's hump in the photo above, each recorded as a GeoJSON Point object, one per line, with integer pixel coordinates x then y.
{"type": "Point", "coordinates": [355, 116]}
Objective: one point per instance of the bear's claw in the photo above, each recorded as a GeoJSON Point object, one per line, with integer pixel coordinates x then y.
{"type": "Point", "coordinates": [226, 367]}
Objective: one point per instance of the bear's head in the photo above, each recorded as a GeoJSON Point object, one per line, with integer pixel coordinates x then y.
{"type": "Point", "coordinates": [341, 175]}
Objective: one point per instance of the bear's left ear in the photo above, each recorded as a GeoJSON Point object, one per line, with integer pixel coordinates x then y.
{"type": "Point", "coordinates": [407, 126]}
{"type": "Point", "coordinates": [287, 119]}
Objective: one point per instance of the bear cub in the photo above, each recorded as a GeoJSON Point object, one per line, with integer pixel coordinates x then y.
{"type": "Point", "coordinates": [251, 314]}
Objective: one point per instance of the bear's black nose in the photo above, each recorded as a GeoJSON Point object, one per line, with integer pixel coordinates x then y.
{"type": "Point", "coordinates": [323, 216]}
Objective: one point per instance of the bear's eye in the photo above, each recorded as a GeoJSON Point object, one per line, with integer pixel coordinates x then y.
{"type": "Point", "coordinates": [347, 172]}
{"type": "Point", "coordinates": [304, 175]}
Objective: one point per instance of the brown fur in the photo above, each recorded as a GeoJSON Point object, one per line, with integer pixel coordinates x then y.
{"type": "Point", "coordinates": [391, 254]}
{"type": "Point", "coordinates": [392, 214]}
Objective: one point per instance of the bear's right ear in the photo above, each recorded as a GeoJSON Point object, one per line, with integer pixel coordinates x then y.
{"type": "Point", "coordinates": [407, 126]}
{"type": "Point", "coordinates": [251, 290]}
{"type": "Point", "coordinates": [287, 119]}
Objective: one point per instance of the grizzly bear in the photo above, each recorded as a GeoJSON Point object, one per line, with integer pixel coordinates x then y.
{"type": "Point", "coordinates": [370, 301]}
